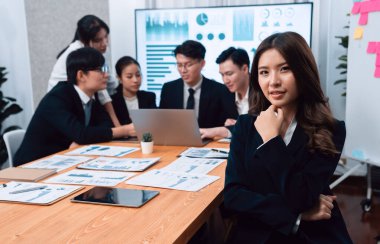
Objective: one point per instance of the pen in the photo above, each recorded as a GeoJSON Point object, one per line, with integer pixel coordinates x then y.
{"type": "Point", "coordinates": [219, 151]}
{"type": "Point", "coordinates": [28, 189]}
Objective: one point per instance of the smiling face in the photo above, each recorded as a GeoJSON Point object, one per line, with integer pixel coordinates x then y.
{"type": "Point", "coordinates": [189, 69]}
{"type": "Point", "coordinates": [277, 80]}
{"type": "Point", "coordinates": [100, 42]}
{"type": "Point", "coordinates": [234, 77]}
{"type": "Point", "coordinates": [130, 79]}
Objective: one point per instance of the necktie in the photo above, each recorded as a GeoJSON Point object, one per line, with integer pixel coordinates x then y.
{"type": "Point", "coordinates": [87, 112]}
{"type": "Point", "coordinates": [190, 100]}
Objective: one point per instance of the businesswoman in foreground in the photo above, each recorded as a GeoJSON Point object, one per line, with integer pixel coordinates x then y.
{"type": "Point", "coordinates": [128, 94]}
{"type": "Point", "coordinates": [285, 151]}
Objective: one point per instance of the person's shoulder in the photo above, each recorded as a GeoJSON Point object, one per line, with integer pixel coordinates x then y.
{"type": "Point", "coordinates": [172, 84]}
{"type": "Point", "coordinates": [147, 94]}
{"type": "Point", "coordinates": [62, 87]}
{"type": "Point", "coordinates": [339, 127]}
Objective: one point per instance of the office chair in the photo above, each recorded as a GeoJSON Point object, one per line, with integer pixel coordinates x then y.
{"type": "Point", "coordinates": [13, 141]}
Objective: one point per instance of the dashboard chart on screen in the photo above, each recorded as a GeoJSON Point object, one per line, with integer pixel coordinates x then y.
{"type": "Point", "coordinates": [159, 31]}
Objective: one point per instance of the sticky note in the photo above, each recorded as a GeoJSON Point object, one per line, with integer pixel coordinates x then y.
{"type": "Point", "coordinates": [371, 48]}
{"type": "Point", "coordinates": [356, 8]}
{"type": "Point", "coordinates": [359, 154]}
{"type": "Point", "coordinates": [377, 60]}
{"type": "Point", "coordinates": [370, 6]}
{"type": "Point", "coordinates": [377, 72]}
{"type": "Point", "coordinates": [363, 19]}
{"type": "Point", "coordinates": [358, 33]}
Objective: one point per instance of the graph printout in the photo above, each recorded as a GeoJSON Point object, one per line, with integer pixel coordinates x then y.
{"type": "Point", "coordinates": [173, 180]}
{"type": "Point", "coordinates": [101, 150]}
{"type": "Point", "coordinates": [90, 177]}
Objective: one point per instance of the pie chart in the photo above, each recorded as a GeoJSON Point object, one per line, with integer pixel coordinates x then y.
{"type": "Point", "coordinates": [202, 19]}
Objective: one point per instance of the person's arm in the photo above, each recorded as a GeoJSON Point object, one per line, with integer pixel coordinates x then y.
{"type": "Point", "coordinates": [270, 209]}
{"type": "Point", "coordinates": [214, 132]}
{"type": "Point", "coordinates": [59, 113]}
{"type": "Point", "coordinates": [111, 112]}
{"type": "Point", "coordinates": [300, 188]}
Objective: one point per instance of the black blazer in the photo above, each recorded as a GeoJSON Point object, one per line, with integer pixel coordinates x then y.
{"type": "Point", "coordinates": [215, 106]}
{"type": "Point", "coordinates": [146, 100]}
{"type": "Point", "coordinates": [59, 121]}
{"type": "Point", "coordinates": [267, 188]}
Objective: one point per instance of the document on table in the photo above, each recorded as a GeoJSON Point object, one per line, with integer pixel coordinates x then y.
{"type": "Point", "coordinates": [196, 152]}
{"type": "Point", "coordinates": [193, 165]}
{"type": "Point", "coordinates": [35, 193]}
{"type": "Point", "coordinates": [90, 177]}
{"type": "Point", "coordinates": [58, 162]}
{"type": "Point", "coordinates": [119, 164]}
{"type": "Point", "coordinates": [225, 140]}
{"type": "Point", "coordinates": [173, 180]}
{"type": "Point", "coordinates": [100, 150]}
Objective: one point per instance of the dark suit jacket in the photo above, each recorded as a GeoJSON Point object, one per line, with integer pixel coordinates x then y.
{"type": "Point", "coordinates": [215, 106]}
{"type": "Point", "coordinates": [59, 121]}
{"type": "Point", "coordinates": [146, 100]}
{"type": "Point", "coordinates": [269, 187]}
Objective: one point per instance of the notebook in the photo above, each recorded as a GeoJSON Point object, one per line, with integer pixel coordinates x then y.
{"type": "Point", "coordinates": [25, 174]}
{"type": "Point", "coordinates": [169, 127]}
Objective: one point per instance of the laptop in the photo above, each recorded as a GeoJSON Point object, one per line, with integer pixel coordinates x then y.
{"type": "Point", "coordinates": [169, 127]}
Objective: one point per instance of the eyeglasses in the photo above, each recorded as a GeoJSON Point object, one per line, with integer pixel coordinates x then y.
{"type": "Point", "coordinates": [186, 65]}
{"type": "Point", "coordinates": [103, 69]}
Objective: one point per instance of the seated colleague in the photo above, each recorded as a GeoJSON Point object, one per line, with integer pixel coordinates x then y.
{"type": "Point", "coordinates": [68, 115]}
{"type": "Point", "coordinates": [234, 68]}
{"type": "Point", "coordinates": [128, 96]}
{"type": "Point", "coordinates": [91, 32]}
{"type": "Point", "coordinates": [211, 101]}
{"type": "Point", "coordinates": [284, 153]}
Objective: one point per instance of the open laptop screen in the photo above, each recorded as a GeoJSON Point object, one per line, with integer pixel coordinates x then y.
{"type": "Point", "coordinates": [171, 127]}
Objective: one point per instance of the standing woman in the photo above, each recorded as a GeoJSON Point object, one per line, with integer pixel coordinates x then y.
{"type": "Point", "coordinates": [91, 32]}
{"type": "Point", "coordinates": [128, 96]}
{"type": "Point", "coordinates": [285, 151]}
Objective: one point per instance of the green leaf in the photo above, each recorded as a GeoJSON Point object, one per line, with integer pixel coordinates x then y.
{"type": "Point", "coordinates": [12, 109]}
{"type": "Point", "coordinates": [340, 81]}
{"type": "Point", "coordinates": [343, 58]}
{"type": "Point", "coordinates": [342, 66]}
{"type": "Point", "coordinates": [343, 72]}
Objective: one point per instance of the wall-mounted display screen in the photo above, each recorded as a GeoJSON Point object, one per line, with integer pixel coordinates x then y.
{"type": "Point", "coordinates": [159, 31]}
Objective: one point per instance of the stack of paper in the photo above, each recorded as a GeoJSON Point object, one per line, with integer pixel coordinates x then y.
{"type": "Point", "coordinates": [119, 164]}
{"type": "Point", "coordinates": [35, 193]}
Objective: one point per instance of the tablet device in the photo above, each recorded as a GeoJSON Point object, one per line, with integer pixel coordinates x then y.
{"type": "Point", "coordinates": [116, 196]}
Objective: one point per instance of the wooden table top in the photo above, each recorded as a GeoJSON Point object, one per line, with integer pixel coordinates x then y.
{"type": "Point", "coordinates": [171, 217]}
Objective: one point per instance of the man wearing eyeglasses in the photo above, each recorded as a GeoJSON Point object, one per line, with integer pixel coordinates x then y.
{"type": "Point", "coordinates": [70, 114]}
{"type": "Point", "coordinates": [210, 100]}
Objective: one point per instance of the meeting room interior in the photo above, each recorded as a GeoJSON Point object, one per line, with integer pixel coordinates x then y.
{"type": "Point", "coordinates": [189, 121]}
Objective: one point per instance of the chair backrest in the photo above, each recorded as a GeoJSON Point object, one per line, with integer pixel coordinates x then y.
{"type": "Point", "coordinates": [13, 141]}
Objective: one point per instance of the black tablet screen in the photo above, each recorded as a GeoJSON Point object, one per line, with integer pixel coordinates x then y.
{"type": "Point", "coordinates": [116, 196]}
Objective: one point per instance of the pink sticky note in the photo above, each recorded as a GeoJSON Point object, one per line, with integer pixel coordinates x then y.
{"type": "Point", "coordinates": [378, 47]}
{"type": "Point", "coordinates": [356, 8]}
{"type": "Point", "coordinates": [377, 60]}
{"type": "Point", "coordinates": [377, 72]}
{"type": "Point", "coordinates": [363, 19]}
{"type": "Point", "coordinates": [370, 6]}
{"type": "Point", "coordinates": [371, 47]}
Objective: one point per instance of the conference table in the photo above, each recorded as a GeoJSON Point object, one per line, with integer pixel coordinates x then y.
{"type": "Point", "coordinates": [171, 217]}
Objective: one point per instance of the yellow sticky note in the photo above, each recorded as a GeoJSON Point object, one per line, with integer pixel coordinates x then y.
{"type": "Point", "coordinates": [358, 33]}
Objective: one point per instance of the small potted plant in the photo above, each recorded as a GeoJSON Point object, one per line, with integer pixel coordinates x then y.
{"type": "Point", "coordinates": [147, 143]}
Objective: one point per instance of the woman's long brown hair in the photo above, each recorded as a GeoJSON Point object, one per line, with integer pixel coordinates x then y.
{"type": "Point", "coordinates": [314, 114]}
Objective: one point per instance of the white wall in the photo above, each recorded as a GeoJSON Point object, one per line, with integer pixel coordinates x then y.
{"type": "Point", "coordinates": [337, 19]}
{"type": "Point", "coordinates": [15, 57]}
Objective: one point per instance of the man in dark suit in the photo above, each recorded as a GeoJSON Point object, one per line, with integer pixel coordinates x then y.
{"type": "Point", "coordinates": [69, 115]}
{"type": "Point", "coordinates": [210, 100]}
